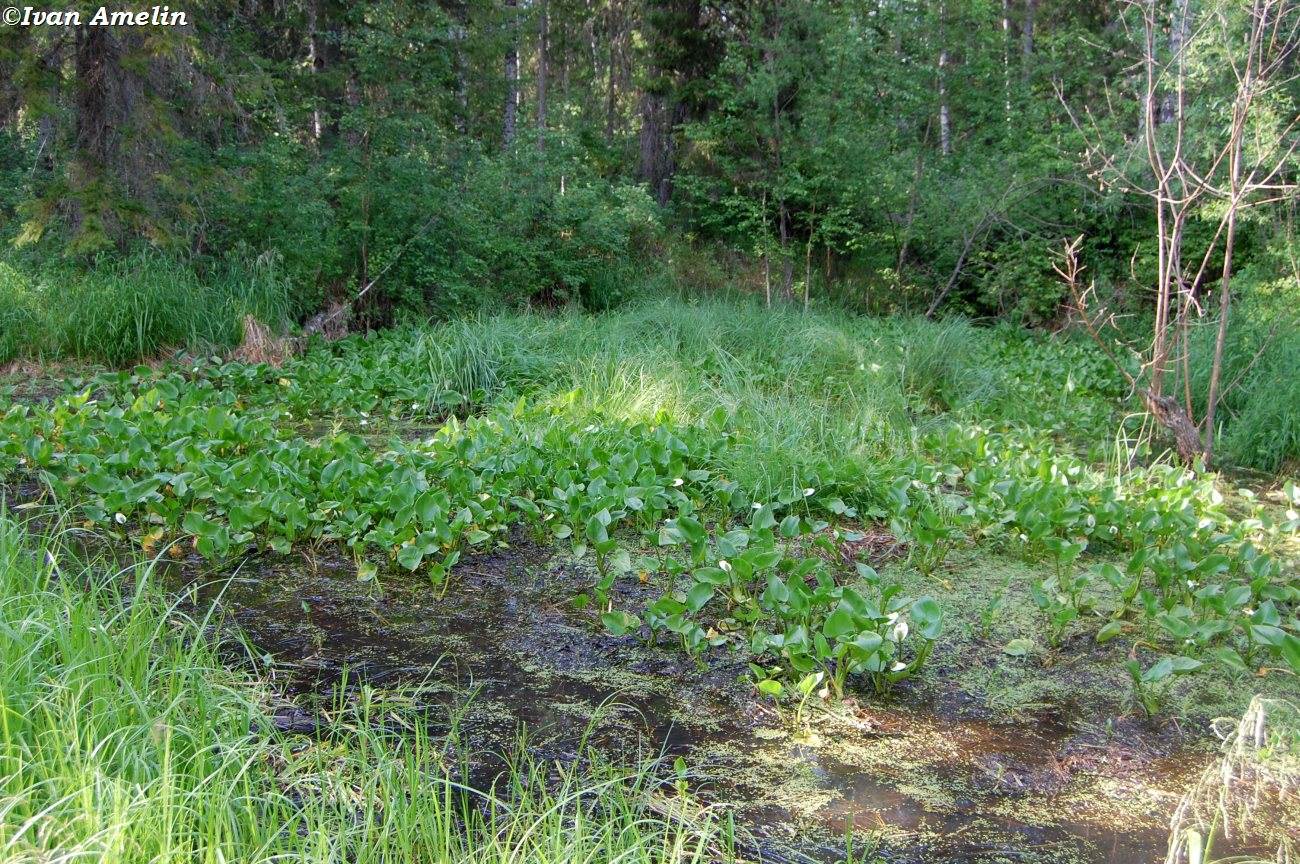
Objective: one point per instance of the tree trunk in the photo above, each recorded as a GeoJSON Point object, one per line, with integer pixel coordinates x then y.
{"type": "Point", "coordinates": [912, 201]}
{"type": "Point", "coordinates": [1173, 418]}
{"type": "Point", "coordinates": [459, 34]}
{"type": "Point", "coordinates": [46, 125]}
{"type": "Point", "coordinates": [787, 260]}
{"type": "Point", "coordinates": [807, 270]}
{"type": "Point", "coordinates": [102, 104]}
{"type": "Point", "coordinates": [316, 62]}
{"type": "Point", "coordinates": [511, 109]}
{"type": "Point", "coordinates": [945, 124]}
{"type": "Point", "coordinates": [767, 258]}
{"type": "Point", "coordinates": [1178, 32]}
{"type": "Point", "coordinates": [543, 35]}
{"type": "Point", "coordinates": [106, 97]}
{"type": "Point", "coordinates": [1006, 61]}
{"type": "Point", "coordinates": [1027, 39]}
{"type": "Point", "coordinates": [1225, 289]}
{"type": "Point", "coordinates": [611, 97]}
{"type": "Point", "coordinates": [658, 160]}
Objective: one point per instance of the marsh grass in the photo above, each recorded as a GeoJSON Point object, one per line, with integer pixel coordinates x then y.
{"type": "Point", "coordinates": [123, 738]}
{"type": "Point", "coordinates": [1249, 797]}
{"type": "Point", "coordinates": [1260, 412]}
{"type": "Point", "coordinates": [132, 309]}
{"type": "Point", "coordinates": [821, 389]}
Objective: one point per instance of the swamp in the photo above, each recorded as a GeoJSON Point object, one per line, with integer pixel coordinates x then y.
{"type": "Point", "coordinates": [860, 619]}
{"type": "Point", "coordinates": [650, 432]}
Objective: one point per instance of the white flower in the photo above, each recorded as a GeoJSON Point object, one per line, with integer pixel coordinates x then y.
{"type": "Point", "coordinates": [757, 506]}
{"type": "Point", "coordinates": [898, 666]}
{"type": "Point", "coordinates": [724, 564]}
{"type": "Point", "coordinates": [365, 422]}
{"type": "Point", "coordinates": [900, 631]}
{"type": "Point", "coordinates": [119, 518]}
{"type": "Point", "coordinates": [808, 492]}
{"type": "Point", "coordinates": [679, 481]}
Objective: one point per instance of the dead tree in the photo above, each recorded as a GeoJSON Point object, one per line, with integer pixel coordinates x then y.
{"type": "Point", "coordinates": [1186, 168]}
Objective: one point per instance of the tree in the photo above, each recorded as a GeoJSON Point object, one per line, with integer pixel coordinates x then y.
{"type": "Point", "coordinates": [680, 55]}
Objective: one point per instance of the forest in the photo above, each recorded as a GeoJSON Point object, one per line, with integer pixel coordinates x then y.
{"type": "Point", "coordinates": [654, 431]}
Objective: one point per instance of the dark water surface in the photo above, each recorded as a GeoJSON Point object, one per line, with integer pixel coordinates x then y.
{"type": "Point", "coordinates": [938, 785]}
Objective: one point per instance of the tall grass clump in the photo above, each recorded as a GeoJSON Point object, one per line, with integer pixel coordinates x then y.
{"type": "Point", "coordinates": [942, 362]}
{"type": "Point", "coordinates": [121, 735]}
{"type": "Point", "coordinates": [800, 389]}
{"type": "Point", "coordinates": [124, 310]}
{"type": "Point", "coordinates": [123, 738]}
{"type": "Point", "coordinates": [1259, 417]}
{"type": "Point", "coordinates": [22, 329]}
{"type": "Point", "coordinates": [807, 394]}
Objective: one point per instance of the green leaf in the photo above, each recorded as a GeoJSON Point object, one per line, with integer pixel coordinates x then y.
{"type": "Point", "coordinates": [839, 624]}
{"type": "Point", "coordinates": [199, 525]}
{"type": "Point", "coordinates": [699, 595]}
{"type": "Point", "coordinates": [808, 683]}
{"type": "Point", "coordinates": [410, 556]}
{"type": "Point", "coordinates": [711, 575]}
{"type": "Point", "coordinates": [1267, 634]}
{"type": "Point", "coordinates": [1158, 672]}
{"type": "Point", "coordinates": [1231, 659]}
{"type": "Point", "coordinates": [1290, 651]}
{"type": "Point", "coordinates": [928, 617]}
{"type": "Point", "coordinates": [619, 622]}
{"type": "Point", "coordinates": [1109, 631]}
{"type": "Point", "coordinates": [691, 529]}
{"type": "Point", "coordinates": [1018, 647]}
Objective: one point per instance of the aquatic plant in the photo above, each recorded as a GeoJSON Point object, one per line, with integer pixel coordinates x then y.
{"type": "Point", "coordinates": [418, 447]}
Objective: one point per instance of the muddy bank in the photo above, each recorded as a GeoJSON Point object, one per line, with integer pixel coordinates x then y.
{"type": "Point", "coordinates": [506, 648]}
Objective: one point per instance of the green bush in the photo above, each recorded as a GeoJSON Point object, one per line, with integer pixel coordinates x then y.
{"type": "Point", "coordinates": [516, 232]}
